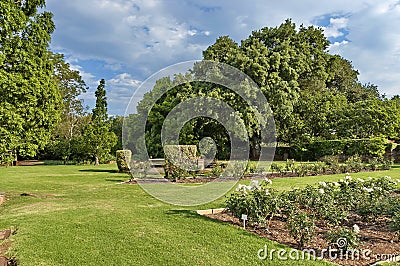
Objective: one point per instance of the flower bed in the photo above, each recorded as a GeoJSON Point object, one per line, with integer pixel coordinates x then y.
{"type": "Point", "coordinates": [345, 216]}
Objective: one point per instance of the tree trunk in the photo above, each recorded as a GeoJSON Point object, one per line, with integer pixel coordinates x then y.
{"type": "Point", "coordinates": [255, 148]}
{"type": "Point", "coordinates": [96, 157]}
{"type": "Point", "coordinates": [15, 162]}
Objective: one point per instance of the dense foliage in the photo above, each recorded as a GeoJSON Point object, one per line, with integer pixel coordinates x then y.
{"type": "Point", "coordinates": [316, 149]}
{"type": "Point", "coordinates": [30, 102]}
{"type": "Point", "coordinates": [97, 134]}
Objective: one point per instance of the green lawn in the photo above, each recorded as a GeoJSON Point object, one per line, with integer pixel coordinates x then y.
{"type": "Point", "coordinates": [81, 215]}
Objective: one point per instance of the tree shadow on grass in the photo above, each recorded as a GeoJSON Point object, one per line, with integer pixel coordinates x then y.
{"type": "Point", "coordinates": [99, 171]}
{"type": "Point", "coordinates": [194, 215]}
{"type": "Point", "coordinates": [116, 180]}
{"type": "Point", "coordinates": [191, 214]}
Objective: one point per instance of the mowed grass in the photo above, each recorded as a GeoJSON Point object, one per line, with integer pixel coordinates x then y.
{"type": "Point", "coordinates": [81, 215]}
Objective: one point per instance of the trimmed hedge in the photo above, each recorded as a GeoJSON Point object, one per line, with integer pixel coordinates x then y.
{"type": "Point", "coordinates": [123, 160]}
{"type": "Point", "coordinates": [182, 155]}
{"type": "Point", "coordinates": [368, 148]}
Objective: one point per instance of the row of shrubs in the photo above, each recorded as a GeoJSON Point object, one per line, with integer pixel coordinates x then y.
{"type": "Point", "coordinates": [331, 204]}
{"type": "Point", "coordinates": [315, 149]}
{"type": "Point", "coordinates": [331, 165]}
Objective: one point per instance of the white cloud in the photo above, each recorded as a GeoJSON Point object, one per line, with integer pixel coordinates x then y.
{"type": "Point", "coordinates": [336, 47]}
{"type": "Point", "coordinates": [374, 45]}
{"type": "Point", "coordinates": [335, 27]}
{"type": "Point", "coordinates": [124, 79]}
{"type": "Point", "coordinates": [119, 91]}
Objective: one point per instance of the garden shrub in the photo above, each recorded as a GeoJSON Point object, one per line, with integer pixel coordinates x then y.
{"type": "Point", "coordinates": [251, 167]}
{"type": "Point", "coordinates": [301, 227]}
{"type": "Point", "coordinates": [354, 163]}
{"type": "Point", "coordinates": [386, 164]}
{"type": "Point", "coordinates": [344, 238]}
{"type": "Point", "coordinates": [289, 166]}
{"type": "Point", "coordinates": [236, 169]}
{"type": "Point", "coordinates": [179, 159]}
{"type": "Point", "coordinates": [395, 224]}
{"type": "Point", "coordinates": [392, 206]}
{"type": "Point", "coordinates": [278, 168]}
{"type": "Point", "coordinates": [274, 168]}
{"type": "Point", "coordinates": [217, 169]}
{"type": "Point", "coordinates": [123, 158]}
{"type": "Point", "coordinates": [330, 160]}
{"type": "Point", "coordinates": [301, 170]}
{"type": "Point", "coordinates": [374, 163]}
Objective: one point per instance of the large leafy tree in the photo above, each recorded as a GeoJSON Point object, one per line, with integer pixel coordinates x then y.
{"type": "Point", "coordinates": [73, 116]}
{"type": "Point", "coordinates": [279, 60]}
{"type": "Point", "coordinates": [97, 135]}
{"type": "Point", "coordinates": [297, 75]}
{"type": "Point", "coordinates": [30, 102]}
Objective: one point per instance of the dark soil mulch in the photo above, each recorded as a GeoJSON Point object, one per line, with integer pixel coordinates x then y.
{"type": "Point", "coordinates": [4, 247]}
{"type": "Point", "coordinates": [375, 236]}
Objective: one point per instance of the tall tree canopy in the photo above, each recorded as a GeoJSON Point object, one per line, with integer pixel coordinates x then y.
{"type": "Point", "coordinates": [97, 135]}
{"type": "Point", "coordinates": [30, 102]}
{"type": "Point", "coordinates": [293, 69]}
{"type": "Point", "coordinates": [65, 140]}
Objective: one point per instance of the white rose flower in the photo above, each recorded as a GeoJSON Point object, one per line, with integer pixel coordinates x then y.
{"type": "Point", "coordinates": [360, 180]}
{"type": "Point", "coordinates": [254, 184]}
{"type": "Point", "coordinates": [356, 229]}
{"type": "Point", "coordinates": [240, 187]}
{"type": "Point", "coordinates": [243, 188]}
{"type": "Point", "coordinates": [267, 180]}
{"type": "Point", "coordinates": [321, 191]}
{"type": "Point", "coordinates": [369, 190]}
{"type": "Point", "coordinates": [323, 184]}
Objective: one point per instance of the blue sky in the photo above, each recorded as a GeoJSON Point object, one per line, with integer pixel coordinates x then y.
{"type": "Point", "coordinates": [126, 41]}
